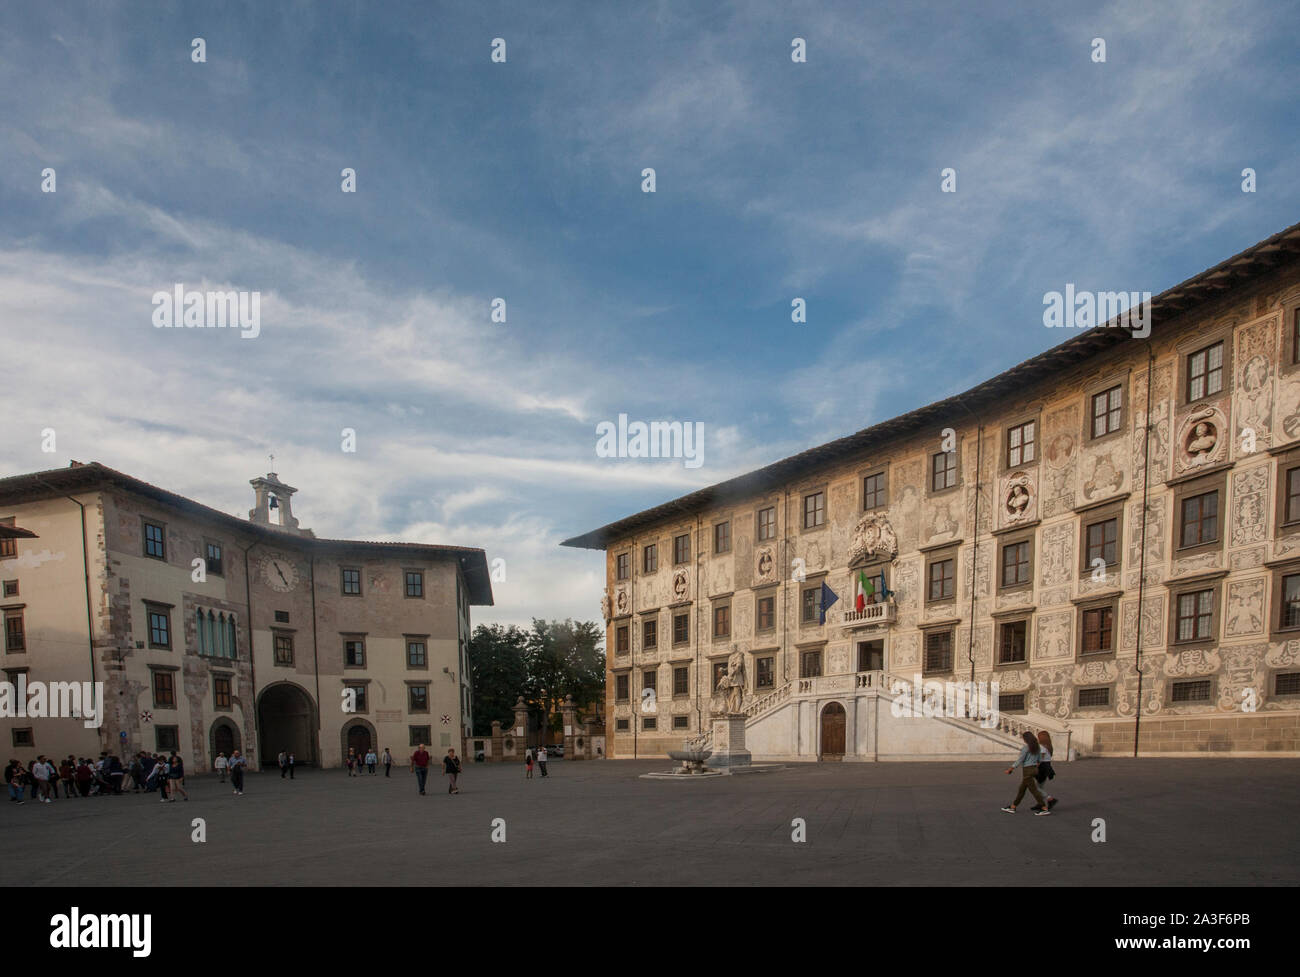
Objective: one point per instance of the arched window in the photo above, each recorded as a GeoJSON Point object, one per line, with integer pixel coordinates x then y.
{"type": "Point", "coordinates": [212, 633]}
{"type": "Point", "coordinates": [234, 642]}
{"type": "Point", "coordinates": [222, 636]}
{"type": "Point", "coordinates": [200, 635]}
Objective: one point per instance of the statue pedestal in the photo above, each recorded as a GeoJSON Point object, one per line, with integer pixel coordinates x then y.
{"type": "Point", "coordinates": [728, 743]}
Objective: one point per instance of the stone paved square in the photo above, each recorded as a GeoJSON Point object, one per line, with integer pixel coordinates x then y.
{"type": "Point", "coordinates": [1168, 822]}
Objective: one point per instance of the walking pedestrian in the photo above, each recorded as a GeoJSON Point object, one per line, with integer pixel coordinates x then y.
{"type": "Point", "coordinates": [221, 764]}
{"type": "Point", "coordinates": [1046, 771]}
{"type": "Point", "coordinates": [292, 761]}
{"type": "Point", "coordinates": [116, 773]}
{"type": "Point", "coordinates": [351, 761]}
{"type": "Point", "coordinates": [85, 776]}
{"type": "Point", "coordinates": [176, 777]}
{"type": "Point", "coordinates": [371, 760]}
{"type": "Point", "coordinates": [65, 776]}
{"type": "Point", "coordinates": [41, 773]}
{"type": "Point", "coordinates": [451, 766]}
{"type": "Point", "coordinates": [388, 762]}
{"type": "Point", "coordinates": [528, 764]}
{"type": "Point", "coordinates": [284, 764]}
{"type": "Point", "coordinates": [1027, 761]}
{"type": "Point", "coordinates": [237, 764]}
{"type": "Point", "coordinates": [164, 778]}
{"type": "Point", "coordinates": [420, 765]}
{"type": "Point", "coordinates": [541, 760]}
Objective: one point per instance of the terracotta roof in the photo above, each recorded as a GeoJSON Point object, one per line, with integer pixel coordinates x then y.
{"type": "Point", "coordinates": [79, 477]}
{"type": "Point", "coordinates": [15, 532]}
{"type": "Point", "coordinates": [1256, 260]}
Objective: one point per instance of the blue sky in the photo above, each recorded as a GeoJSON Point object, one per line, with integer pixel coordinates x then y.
{"type": "Point", "coordinates": [522, 180]}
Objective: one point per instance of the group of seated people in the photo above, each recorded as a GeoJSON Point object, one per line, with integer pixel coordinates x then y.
{"type": "Point", "coordinates": [84, 777]}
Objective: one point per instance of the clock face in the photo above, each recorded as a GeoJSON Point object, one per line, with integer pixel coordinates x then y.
{"type": "Point", "coordinates": [279, 573]}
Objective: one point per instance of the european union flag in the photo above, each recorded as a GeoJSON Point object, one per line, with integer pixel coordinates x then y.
{"type": "Point", "coordinates": [828, 597]}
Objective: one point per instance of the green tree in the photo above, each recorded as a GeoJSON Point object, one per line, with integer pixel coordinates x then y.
{"type": "Point", "coordinates": [565, 658]}
{"type": "Point", "coordinates": [498, 663]}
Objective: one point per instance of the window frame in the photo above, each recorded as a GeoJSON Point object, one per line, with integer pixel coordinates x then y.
{"type": "Point", "coordinates": [725, 528]}
{"type": "Point", "coordinates": [343, 582]}
{"type": "Point", "coordinates": [761, 525]}
{"type": "Point", "coordinates": [152, 608]}
{"type": "Point", "coordinates": [881, 494]}
{"type": "Point", "coordinates": [169, 679]}
{"type": "Point", "coordinates": [147, 523]}
{"type": "Point", "coordinates": [1213, 584]}
{"type": "Point", "coordinates": [720, 609]}
{"type": "Point", "coordinates": [1085, 608]}
{"type": "Point", "coordinates": [1019, 424]}
{"type": "Point", "coordinates": [1194, 345]}
{"type": "Point", "coordinates": [650, 558]}
{"type": "Point", "coordinates": [948, 631]}
{"type": "Point", "coordinates": [759, 600]}
{"type": "Point", "coordinates": [1213, 482]}
{"type": "Point", "coordinates": [418, 574]}
{"type": "Point", "coordinates": [623, 566]}
{"type": "Point", "coordinates": [208, 546]}
{"type": "Point", "coordinates": [684, 616]}
{"type": "Point", "coordinates": [820, 510]}
{"type": "Point", "coordinates": [412, 640]}
{"type": "Point", "coordinates": [1025, 539]}
{"type": "Point", "coordinates": [278, 634]}
{"type": "Point", "coordinates": [650, 633]}
{"type": "Point", "coordinates": [946, 554]}
{"type": "Point", "coordinates": [678, 546]}
{"type": "Point", "coordinates": [358, 639]}
{"type": "Point", "coordinates": [1012, 621]}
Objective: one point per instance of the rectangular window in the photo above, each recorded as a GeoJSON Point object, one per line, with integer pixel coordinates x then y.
{"type": "Point", "coordinates": [681, 628]}
{"type": "Point", "coordinates": [814, 510]}
{"type": "Point", "coordinates": [679, 722]}
{"type": "Point", "coordinates": [649, 634]}
{"type": "Point", "coordinates": [1287, 683]}
{"type": "Point", "coordinates": [681, 680]}
{"type": "Point", "coordinates": [1200, 519]}
{"type": "Point", "coordinates": [283, 649]}
{"type": "Point", "coordinates": [155, 544]}
{"type": "Point", "coordinates": [164, 691]}
{"type": "Point", "coordinates": [1011, 703]}
{"type": "Point", "coordinates": [15, 636]}
{"type": "Point", "coordinates": [420, 735]}
{"type": "Point", "coordinates": [811, 605]}
{"type": "Point", "coordinates": [650, 680]}
{"type": "Point", "coordinates": [810, 663]}
{"type": "Point", "coordinates": [1106, 411]}
{"type": "Point", "coordinates": [360, 696]}
{"type": "Point", "coordinates": [22, 735]}
{"type": "Point", "coordinates": [622, 639]}
{"type": "Point", "coordinates": [1290, 617]}
{"type": "Point", "coordinates": [418, 698]}
{"type": "Point", "coordinates": [1198, 691]}
{"type": "Point", "coordinates": [682, 548]}
{"type": "Point", "coordinates": [1292, 510]}
{"type": "Point", "coordinates": [1020, 444]}
{"type": "Point", "coordinates": [622, 725]}
{"type": "Point", "coordinates": [11, 588]}
{"type": "Point", "coordinates": [1015, 564]}
{"type": "Point", "coordinates": [414, 583]}
{"type": "Point", "coordinates": [168, 738]}
{"type": "Point", "coordinates": [938, 651]}
{"type": "Point", "coordinates": [1098, 630]}
{"type": "Point", "coordinates": [1205, 372]}
{"type": "Point", "coordinates": [1012, 646]}
{"type": "Point", "coordinates": [649, 723]}
{"type": "Point", "coordinates": [1195, 615]}
{"type": "Point", "coordinates": [1101, 540]}
{"type": "Point", "coordinates": [417, 655]}
{"type": "Point", "coordinates": [722, 621]}
{"type": "Point", "coordinates": [941, 580]}
{"type": "Point", "coordinates": [281, 617]}
{"type": "Point", "coordinates": [621, 687]}
{"type": "Point", "coordinates": [764, 673]}
{"type": "Point", "coordinates": [212, 558]}
{"type": "Point", "coordinates": [351, 581]}
{"type": "Point", "coordinates": [221, 691]}
{"type": "Point", "coordinates": [943, 470]}
{"type": "Point", "coordinates": [722, 537]}
{"type": "Point", "coordinates": [354, 653]}
{"type": "Point", "coordinates": [873, 491]}
{"type": "Point", "coordinates": [623, 566]}
{"type": "Point", "coordinates": [1094, 697]}
{"type": "Point", "coordinates": [160, 628]}
{"type": "Point", "coordinates": [766, 613]}
{"type": "Point", "coordinates": [767, 523]}
{"type": "Point", "coordinates": [871, 656]}
{"type": "Point", "coordinates": [650, 558]}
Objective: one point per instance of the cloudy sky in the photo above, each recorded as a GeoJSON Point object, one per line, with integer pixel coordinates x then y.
{"type": "Point", "coordinates": [522, 180]}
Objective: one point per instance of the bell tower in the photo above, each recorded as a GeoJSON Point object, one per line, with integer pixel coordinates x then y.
{"type": "Point", "coordinates": [271, 493]}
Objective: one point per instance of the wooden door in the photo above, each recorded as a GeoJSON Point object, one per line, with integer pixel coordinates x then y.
{"type": "Point", "coordinates": [832, 741]}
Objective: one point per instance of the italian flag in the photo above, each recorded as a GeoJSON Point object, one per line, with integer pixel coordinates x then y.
{"type": "Point", "coordinates": [862, 589]}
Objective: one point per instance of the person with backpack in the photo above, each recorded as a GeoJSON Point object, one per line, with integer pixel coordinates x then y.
{"type": "Point", "coordinates": [1027, 761]}
{"type": "Point", "coordinates": [1046, 771]}
{"type": "Point", "coordinates": [451, 766]}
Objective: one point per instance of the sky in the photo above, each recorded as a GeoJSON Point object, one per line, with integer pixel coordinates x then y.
{"type": "Point", "coordinates": [522, 179]}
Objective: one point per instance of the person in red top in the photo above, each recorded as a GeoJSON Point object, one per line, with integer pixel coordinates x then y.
{"type": "Point", "coordinates": [420, 764]}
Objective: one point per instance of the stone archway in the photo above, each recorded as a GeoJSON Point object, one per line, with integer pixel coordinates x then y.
{"type": "Point", "coordinates": [359, 735]}
{"type": "Point", "coordinates": [223, 737]}
{"type": "Point", "coordinates": [831, 744]}
{"type": "Point", "coordinates": [286, 720]}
